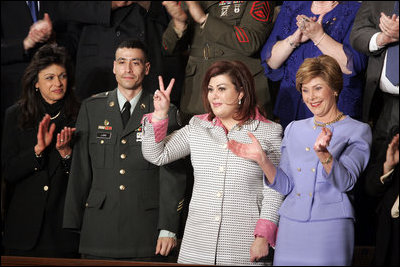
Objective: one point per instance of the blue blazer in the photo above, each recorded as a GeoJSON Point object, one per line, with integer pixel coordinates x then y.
{"type": "Point", "coordinates": [311, 193]}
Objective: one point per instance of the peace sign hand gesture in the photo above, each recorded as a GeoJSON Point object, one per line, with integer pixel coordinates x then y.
{"type": "Point", "coordinates": [162, 100]}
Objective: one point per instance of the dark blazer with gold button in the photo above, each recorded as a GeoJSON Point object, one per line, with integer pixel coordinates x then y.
{"type": "Point", "coordinates": [37, 187]}
{"type": "Point", "coordinates": [115, 198]}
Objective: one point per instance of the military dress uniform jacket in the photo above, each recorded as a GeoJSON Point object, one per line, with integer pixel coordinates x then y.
{"type": "Point", "coordinates": [235, 30]}
{"type": "Point", "coordinates": [115, 198]}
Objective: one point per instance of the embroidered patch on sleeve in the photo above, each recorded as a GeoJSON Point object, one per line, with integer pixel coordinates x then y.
{"type": "Point", "coordinates": [260, 10]}
{"type": "Point", "coordinates": [241, 35]}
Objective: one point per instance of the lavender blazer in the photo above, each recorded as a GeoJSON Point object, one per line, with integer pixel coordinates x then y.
{"type": "Point", "coordinates": [311, 193]}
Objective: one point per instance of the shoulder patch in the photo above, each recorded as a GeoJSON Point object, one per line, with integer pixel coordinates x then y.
{"type": "Point", "coordinates": [260, 10]}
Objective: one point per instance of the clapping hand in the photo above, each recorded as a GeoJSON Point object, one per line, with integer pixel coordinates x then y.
{"type": "Point", "coordinates": [311, 28]}
{"type": "Point", "coordinates": [252, 151]}
{"type": "Point", "coordinates": [323, 140]}
{"type": "Point", "coordinates": [44, 135]}
{"type": "Point", "coordinates": [162, 100]}
{"type": "Point", "coordinates": [39, 32]}
{"type": "Point", "coordinates": [389, 26]}
{"type": "Point", "coordinates": [63, 141]}
{"type": "Point", "coordinates": [392, 155]}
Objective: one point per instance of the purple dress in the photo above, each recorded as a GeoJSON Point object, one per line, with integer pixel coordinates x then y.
{"type": "Point", "coordinates": [337, 24]}
{"type": "Point", "coordinates": [316, 226]}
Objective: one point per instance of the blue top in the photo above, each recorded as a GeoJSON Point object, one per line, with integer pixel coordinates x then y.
{"type": "Point", "coordinates": [311, 193]}
{"type": "Point", "coordinates": [337, 24]}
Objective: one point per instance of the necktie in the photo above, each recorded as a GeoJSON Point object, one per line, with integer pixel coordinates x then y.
{"type": "Point", "coordinates": [33, 7]}
{"type": "Point", "coordinates": [126, 113]}
{"type": "Point", "coordinates": [392, 60]}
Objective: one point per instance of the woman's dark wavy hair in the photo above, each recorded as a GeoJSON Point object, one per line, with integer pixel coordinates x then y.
{"type": "Point", "coordinates": [30, 102]}
{"type": "Point", "coordinates": [243, 80]}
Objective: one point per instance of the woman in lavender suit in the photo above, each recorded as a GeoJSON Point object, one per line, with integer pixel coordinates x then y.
{"type": "Point", "coordinates": [321, 159]}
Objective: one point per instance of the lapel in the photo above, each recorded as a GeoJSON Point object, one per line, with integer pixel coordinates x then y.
{"type": "Point", "coordinates": [113, 113]}
{"type": "Point", "coordinates": [118, 15]}
{"type": "Point", "coordinates": [141, 108]}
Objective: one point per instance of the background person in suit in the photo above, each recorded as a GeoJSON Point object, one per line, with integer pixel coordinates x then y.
{"type": "Point", "coordinates": [123, 206]}
{"type": "Point", "coordinates": [382, 182]}
{"type": "Point", "coordinates": [322, 158]}
{"type": "Point", "coordinates": [36, 157]}
{"type": "Point", "coordinates": [374, 33]}
{"type": "Point", "coordinates": [105, 24]}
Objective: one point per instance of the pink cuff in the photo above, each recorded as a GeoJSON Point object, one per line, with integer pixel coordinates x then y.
{"type": "Point", "coordinates": [267, 229]}
{"type": "Point", "coordinates": [160, 127]}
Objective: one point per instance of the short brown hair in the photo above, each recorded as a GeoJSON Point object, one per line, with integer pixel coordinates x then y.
{"type": "Point", "coordinates": [324, 67]}
{"type": "Point", "coordinates": [243, 80]}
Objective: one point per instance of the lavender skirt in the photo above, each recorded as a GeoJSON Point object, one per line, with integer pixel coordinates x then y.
{"type": "Point", "coordinates": [320, 243]}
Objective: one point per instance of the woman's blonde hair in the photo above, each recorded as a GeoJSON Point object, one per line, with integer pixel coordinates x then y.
{"type": "Point", "coordinates": [324, 67]}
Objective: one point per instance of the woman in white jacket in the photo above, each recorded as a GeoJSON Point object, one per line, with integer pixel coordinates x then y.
{"type": "Point", "coordinates": [233, 217]}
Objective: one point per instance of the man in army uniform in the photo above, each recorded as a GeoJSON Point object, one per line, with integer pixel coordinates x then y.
{"type": "Point", "coordinates": [115, 198]}
{"type": "Point", "coordinates": [218, 30]}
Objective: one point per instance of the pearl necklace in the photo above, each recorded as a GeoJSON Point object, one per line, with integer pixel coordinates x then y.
{"type": "Point", "coordinates": [55, 116]}
{"type": "Point", "coordinates": [328, 123]}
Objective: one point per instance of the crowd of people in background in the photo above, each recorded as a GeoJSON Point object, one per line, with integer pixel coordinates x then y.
{"type": "Point", "coordinates": [275, 139]}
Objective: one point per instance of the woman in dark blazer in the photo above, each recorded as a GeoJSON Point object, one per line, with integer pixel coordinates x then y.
{"type": "Point", "coordinates": [36, 156]}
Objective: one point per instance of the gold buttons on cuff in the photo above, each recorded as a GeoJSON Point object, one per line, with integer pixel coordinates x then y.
{"type": "Point", "coordinates": [299, 169]}
{"type": "Point", "coordinates": [310, 194]}
{"type": "Point", "coordinates": [123, 156]}
{"type": "Point", "coordinates": [122, 187]}
{"type": "Point", "coordinates": [313, 169]}
{"type": "Point", "coordinates": [307, 149]}
{"type": "Point", "coordinates": [122, 171]}
{"type": "Point", "coordinates": [45, 188]}
{"type": "Point", "coordinates": [123, 141]}
{"type": "Point", "coordinates": [298, 194]}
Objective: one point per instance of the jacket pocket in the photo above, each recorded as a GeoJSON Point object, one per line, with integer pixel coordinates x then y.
{"type": "Point", "coordinates": [101, 152]}
{"type": "Point", "coordinates": [95, 199]}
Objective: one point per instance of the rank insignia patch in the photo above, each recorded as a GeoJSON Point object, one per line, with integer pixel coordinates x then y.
{"type": "Point", "coordinates": [260, 10]}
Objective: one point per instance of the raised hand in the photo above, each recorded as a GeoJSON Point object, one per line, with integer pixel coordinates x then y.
{"type": "Point", "coordinates": [196, 11]}
{"type": "Point", "coordinates": [44, 135]}
{"type": "Point", "coordinates": [392, 155]}
{"type": "Point", "coordinates": [311, 27]}
{"type": "Point", "coordinates": [63, 141]}
{"type": "Point", "coordinates": [39, 32]}
{"type": "Point", "coordinates": [176, 11]}
{"type": "Point", "coordinates": [162, 100]}
{"type": "Point", "coordinates": [252, 151]}
{"type": "Point", "coordinates": [389, 26]}
{"type": "Point", "coordinates": [323, 140]}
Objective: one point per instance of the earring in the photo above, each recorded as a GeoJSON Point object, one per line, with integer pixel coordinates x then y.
{"type": "Point", "coordinates": [36, 89]}
{"type": "Point", "coordinates": [335, 94]}
{"type": "Point", "coordinates": [240, 101]}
